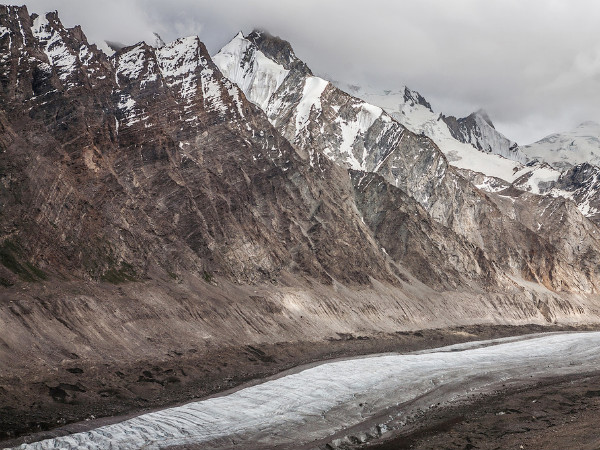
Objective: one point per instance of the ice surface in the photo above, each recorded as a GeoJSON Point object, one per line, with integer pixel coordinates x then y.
{"type": "Point", "coordinates": [564, 150]}
{"type": "Point", "coordinates": [320, 401]}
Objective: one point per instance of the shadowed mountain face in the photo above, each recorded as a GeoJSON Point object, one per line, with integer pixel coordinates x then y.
{"type": "Point", "coordinates": [478, 130]}
{"type": "Point", "coordinates": [155, 212]}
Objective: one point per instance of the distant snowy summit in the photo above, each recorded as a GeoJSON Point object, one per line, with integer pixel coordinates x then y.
{"type": "Point", "coordinates": [561, 151]}
{"type": "Point", "coordinates": [561, 165]}
{"type": "Point", "coordinates": [317, 114]}
{"type": "Point", "coordinates": [568, 149]}
{"type": "Point", "coordinates": [413, 111]}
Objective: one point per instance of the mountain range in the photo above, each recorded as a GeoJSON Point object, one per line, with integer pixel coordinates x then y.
{"type": "Point", "coordinates": [164, 208]}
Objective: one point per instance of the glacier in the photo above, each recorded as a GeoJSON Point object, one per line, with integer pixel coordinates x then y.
{"type": "Point", "coordinates": [320, 402]}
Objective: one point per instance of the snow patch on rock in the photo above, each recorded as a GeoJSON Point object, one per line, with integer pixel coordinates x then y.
{"type": "Point", "coordinates": [311, 100]}
{"type": "Point", "coordinates": [130, 64]}
{"type": "Point", "coordinates": [366, 115]}
{"type": "Point", "coordinates": [55, 48]}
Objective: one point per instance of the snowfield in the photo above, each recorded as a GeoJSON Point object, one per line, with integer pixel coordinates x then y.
{"type": "Point", "coordinates": [567, 149]}
{"type": "Point", "coordinates": [320, 402]}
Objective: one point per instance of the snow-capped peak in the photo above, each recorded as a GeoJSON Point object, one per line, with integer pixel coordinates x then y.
{"type": "Point", "coordinates": [470, 143]}
{"type": "Point", "coordinates": [278, 50]}
{"type": "Point", "coordinates": [478, 130]}
{"type": "Point", "coordinates": [485, 116]}
{"type": "Point", "coordinates": [589, 125]}
{"type": "Point", "coordinates": [53, 44]}
{"type": "Point", "coordinates": [244, 64]}
{"type": "Point", "coordinates": [568, 149]}
{"type": "Point", "coordinates": [415, 98]}
{"type": "Point", "coordinates": [158, 42]}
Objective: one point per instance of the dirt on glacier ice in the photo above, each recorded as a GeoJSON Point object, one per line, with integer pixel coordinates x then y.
{"type": "Point", "coordinates": [556, 413]}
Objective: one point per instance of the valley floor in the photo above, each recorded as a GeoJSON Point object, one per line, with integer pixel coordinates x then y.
{"type": "Point", "coordinates": [40, 408]}
{"type": "Point", "coordinates": [467, 423]}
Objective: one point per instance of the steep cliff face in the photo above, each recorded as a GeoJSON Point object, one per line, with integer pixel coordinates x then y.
{"type": "Point", "coordinates": [478, 130]}
{"type": "Point", "coordinates": [581, 184]}
{"type": "Point", "coordinates": [436, 255]}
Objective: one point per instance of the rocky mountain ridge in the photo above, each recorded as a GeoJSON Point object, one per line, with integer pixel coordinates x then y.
{"type": "Point", "coordinates": [156, 213]}
{"type": "Point", "coordinates": [316, 116]}
{"type": "Point", "coordinates": [533, 168]}
{"type": "Point", "coordinates": [457, 138]}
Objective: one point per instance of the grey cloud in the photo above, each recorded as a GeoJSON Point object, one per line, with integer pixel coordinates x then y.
{"type": "Point", "coordinates": [534, 66]}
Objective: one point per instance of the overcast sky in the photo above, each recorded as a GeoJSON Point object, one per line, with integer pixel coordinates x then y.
{"type": "Point", "coordinates": [533, 65]}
